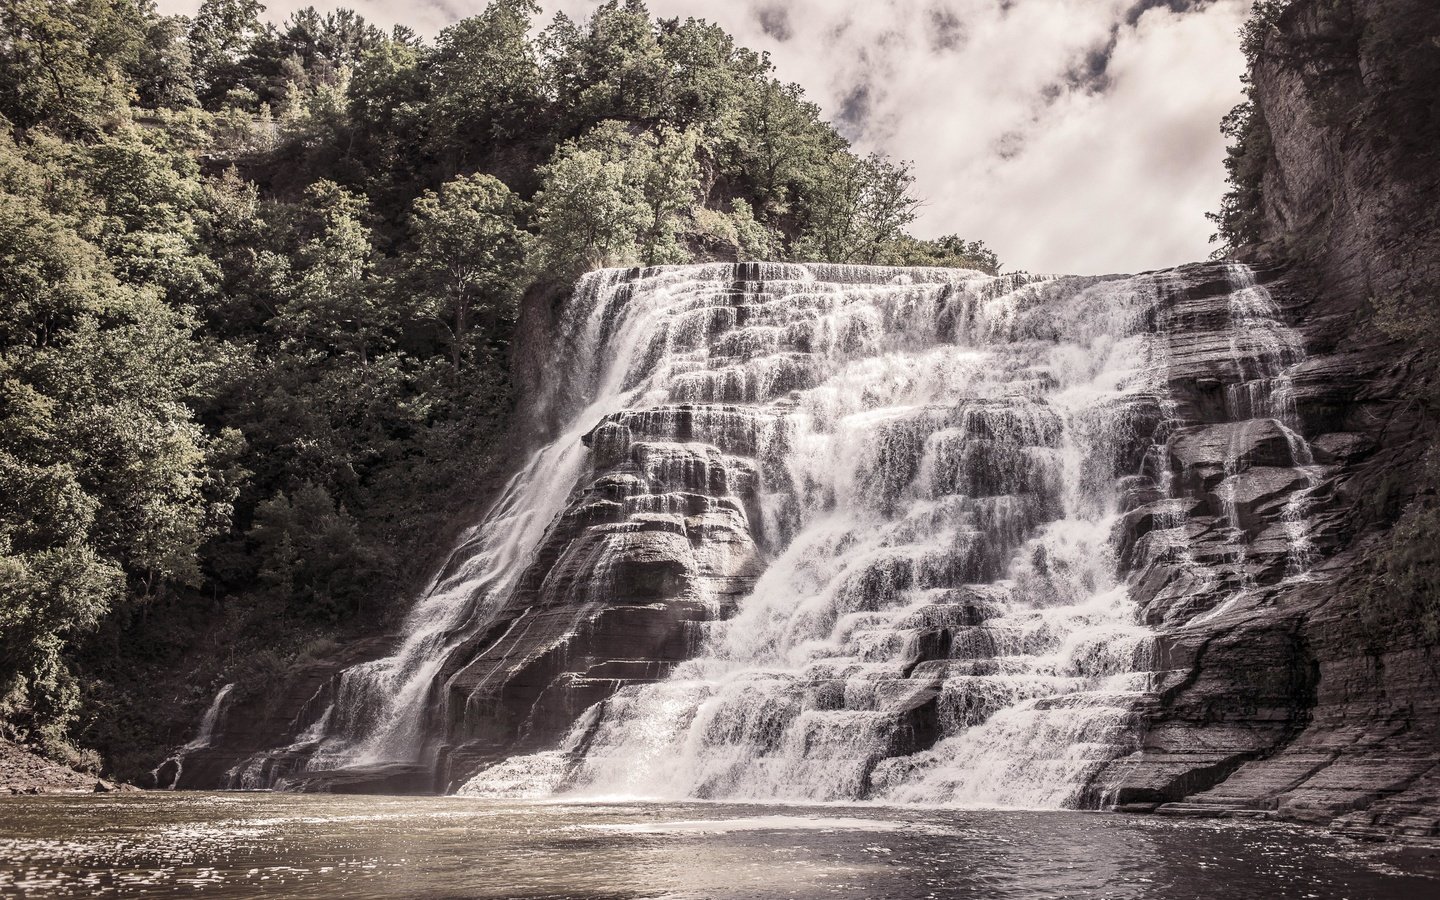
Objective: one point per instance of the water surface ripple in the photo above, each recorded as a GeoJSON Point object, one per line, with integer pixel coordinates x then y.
{"type": "Point", "coordinates": [280, 845]}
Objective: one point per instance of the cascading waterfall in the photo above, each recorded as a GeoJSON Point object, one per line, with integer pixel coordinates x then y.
{"type": "Point", "coordinates": [932, 464]}
{"type": "Point", "coordinates": [168, 772]}
{"type": "Point", "coordinates": [1265, 352]}
{"type": "Point", "coordinates": [939, 493]}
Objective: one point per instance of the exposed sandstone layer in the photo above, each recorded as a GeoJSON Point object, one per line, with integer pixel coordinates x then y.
{"type": "Point", "coordinates": [1283, 700]}
{"type": "Point", "coordinates": [1350, 185]}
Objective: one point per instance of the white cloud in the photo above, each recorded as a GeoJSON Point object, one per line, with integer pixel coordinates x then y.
{"type": "Point", "coordinates": [1071, 135]}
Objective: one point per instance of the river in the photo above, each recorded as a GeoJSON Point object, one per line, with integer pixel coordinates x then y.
{"type": "Point", "coordinates": [300, 846]}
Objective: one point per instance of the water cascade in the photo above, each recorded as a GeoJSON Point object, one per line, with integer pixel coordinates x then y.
{"type": "Point", "coordinates": [818, 532]}
{"type": "Point", "coordinates": [168, 773]}
{"type": "Point", "coordinates": [938, 455]}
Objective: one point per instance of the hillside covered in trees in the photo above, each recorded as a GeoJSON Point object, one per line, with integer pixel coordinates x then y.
{"type": "Point", "coordinates": [260, 284]}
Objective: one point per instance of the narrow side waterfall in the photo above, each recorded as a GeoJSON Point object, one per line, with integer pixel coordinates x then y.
{"type": "Point", "coordinates": [818, 532]}
{"type": "Point", "coordinates": [168, 773]}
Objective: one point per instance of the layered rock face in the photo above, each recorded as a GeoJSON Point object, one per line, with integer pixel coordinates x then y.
{"type": "Point", "coordinates": [1275, 696]}
{"type": "Point", "coordinates": [819, 532]}
{"type": "Point", "coordinates": [1300, 700]}
{"type": "Point", "coordinates": [1351, 174]}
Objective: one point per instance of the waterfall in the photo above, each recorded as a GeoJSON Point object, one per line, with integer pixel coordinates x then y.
{"type": "Point", "coordinates": [878, 526]}
{"type": "Point", "coordinates": [941, 620]}
{"type": "Point", "coordinates": [169, 771]}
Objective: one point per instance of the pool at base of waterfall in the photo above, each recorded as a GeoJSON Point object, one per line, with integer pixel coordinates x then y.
{"type": "Point", "coordinates": [278, 845]}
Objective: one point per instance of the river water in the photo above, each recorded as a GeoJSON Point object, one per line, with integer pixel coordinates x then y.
{"type": "Point", "coordinates": [285, 845]}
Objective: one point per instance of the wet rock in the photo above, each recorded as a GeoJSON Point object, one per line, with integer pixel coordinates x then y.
{"type": "Point", "coordinates": [1342, 446]}
{"type": "Point", "coordinates": [1202, 455]}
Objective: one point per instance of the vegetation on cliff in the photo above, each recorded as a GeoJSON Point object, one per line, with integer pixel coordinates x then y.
{"type": "Point", "coordinates": [260, 284]}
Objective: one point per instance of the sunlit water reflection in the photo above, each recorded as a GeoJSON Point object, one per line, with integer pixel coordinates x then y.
{"type": "Point", "coordinates": [282, 845]}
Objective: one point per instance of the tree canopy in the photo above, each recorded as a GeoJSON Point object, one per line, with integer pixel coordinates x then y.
{"type": "Point", "coordinates": [260, 285]}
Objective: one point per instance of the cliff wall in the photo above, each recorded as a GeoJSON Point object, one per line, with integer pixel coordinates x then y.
{"type": "Point", "coordinates": [1308, 701]}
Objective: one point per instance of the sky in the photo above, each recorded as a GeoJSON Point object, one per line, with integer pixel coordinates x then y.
{"type": "Point", "coordinates": [1077, 136]}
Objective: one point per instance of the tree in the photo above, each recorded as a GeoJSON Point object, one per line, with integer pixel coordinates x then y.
{"type": "Point", "coordinates": [709, 77]}
{"type": "Point", "coordinates": [950, 252]}
{"type": "Point", "coordinates": [590, 207]}
{"type": "Point", "coordinates": [220, 35]}
{"type": "Point", "coordinates": [778, 144]}
{"type": "Point", "coordinates": [311, 554]}
{"type": "Point", "coordinates": [105, 472]}
{"type": "Point", "coordinates": [468, 256]}
{"type": "Point", "coordinates": [336, 302]}
{"type": "Point", "coordinates": [163, 72]}
{"type": "Point", "coordinates": [612, 68]}
{"type": "Point", "coordinates": [147, 198]}
{"type": "Point", "coordinates": [63, 62]}
{"type": "Point", "coordinates": [857, 209]}
{"type": "Point", "coordinates": [668, 173]}
{"type": "Point", "coordinates": [485, 82]}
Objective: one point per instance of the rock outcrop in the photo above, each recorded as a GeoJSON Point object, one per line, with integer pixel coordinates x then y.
{"type": "Point", "coordinates": [22, 771]}
{"type": "Point", "coordinates": [1281, 699]}
{"type": "Point", "coordinates": [1298, 701]}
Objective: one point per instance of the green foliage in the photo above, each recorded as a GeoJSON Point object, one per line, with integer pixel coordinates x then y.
{"type": "Point", "coordinates": [63, 62]}
{"type": "Point", "coordinates": [312, 556]}
{"type": "Point", "coordinates": [467, 265]}
{"type": "Point", "coordinates": [1241, 215]}
{"type": "Point", "coordinates": [108, 488]}
{"type": "Point", "coordinates": [47, 598]}
{"type": "Point", "coordinates": [859, 211]}
{"type": "Point", "coordinates": [1402, 590]}
{"type": "Point", "coordinates": [590, 207]}
{"type": "Point", "coordinates": [737, 230]}
{"type": "Point", "coordinates": [220, 33]}
{"type": "Point", "coordinates": [950, 251]}
{"type": "Point", "coordinates": [1407, 586]}
{"type": "Point", "coordinates": [485, 83]}
{"type": "Point", "coordinates": [260, 285]}
{"type": "Point", "coordinates": [668, 174]}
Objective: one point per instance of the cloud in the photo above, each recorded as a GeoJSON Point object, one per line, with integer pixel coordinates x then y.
{"type": "Point", "coordinates": [1070, 135]}
{"type": "Point", "coordinates": [774, 20]}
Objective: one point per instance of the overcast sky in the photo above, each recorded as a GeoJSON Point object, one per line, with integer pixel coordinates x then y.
{"type": "Point", "coordinates": [1075, 136]}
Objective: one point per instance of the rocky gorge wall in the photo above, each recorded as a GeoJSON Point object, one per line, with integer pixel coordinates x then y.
{"type": "Point", "coordinates": [1301, 701]}
{"type": "Point", "coordinates": [1284, 700]}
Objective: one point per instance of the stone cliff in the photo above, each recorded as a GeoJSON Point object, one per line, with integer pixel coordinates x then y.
{"type": "Point", "coordinates": [1298, 702]}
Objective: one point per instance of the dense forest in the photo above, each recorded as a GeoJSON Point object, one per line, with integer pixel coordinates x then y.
{"type": "Point", "coordinates": [260, 283]}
